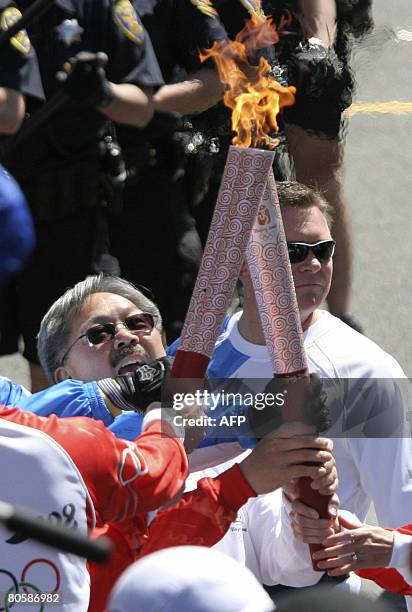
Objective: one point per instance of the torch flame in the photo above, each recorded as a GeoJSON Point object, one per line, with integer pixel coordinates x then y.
{"type": "Point", "coordinates": [254, 97]}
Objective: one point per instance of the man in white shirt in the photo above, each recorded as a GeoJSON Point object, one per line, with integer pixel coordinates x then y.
{"type": "Point", "coordinates": [372, 448]}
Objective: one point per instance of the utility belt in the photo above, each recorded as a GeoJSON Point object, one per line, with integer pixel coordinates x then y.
{"type": "Point", "coordinates": [166, 158]}
{"type": "Point", "coordinates": [81, 184]}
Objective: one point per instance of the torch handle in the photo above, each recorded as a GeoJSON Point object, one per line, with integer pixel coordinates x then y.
{"type": "Point", "coordinates": [292, 411]}
{"type": "Point", "coordinates": [318, 502]}
{"type": "Point", "coordinates": [188, 364]}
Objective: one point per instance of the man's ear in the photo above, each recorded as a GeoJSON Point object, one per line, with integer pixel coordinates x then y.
{"type": "Point", "coordinates": [61, 374]}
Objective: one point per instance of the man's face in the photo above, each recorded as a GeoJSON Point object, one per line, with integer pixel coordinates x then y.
{"type": "Point", "coordinates": [312, 278]}
{"type": "Point", "coordinates": [119, 354]}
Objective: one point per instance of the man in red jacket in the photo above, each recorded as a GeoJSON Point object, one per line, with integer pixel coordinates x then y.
{"type": "Point", "coordinates": [77, 472]}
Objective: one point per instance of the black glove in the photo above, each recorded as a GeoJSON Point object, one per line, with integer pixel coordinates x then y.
{"type": "Point", "coordinates": [84, 79]}
{"type": "Point", "coordinates": [313, 408]}
{"type": "Point", "coordinates": [136, 390]}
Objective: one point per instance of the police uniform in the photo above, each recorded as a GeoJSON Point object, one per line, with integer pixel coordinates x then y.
{"type": "Point", "coordinates": [235, 14]}
{"type": "Point", "coordinates": [18, 62]}
{"type": "Point", "coordinates": [18, 71]}
{"type": "Point", "coordinates": [215, 122]}
{"type": "Point", "coordinates": [60, 166]}
{"type": "Point", "coordinates": [154, 239]}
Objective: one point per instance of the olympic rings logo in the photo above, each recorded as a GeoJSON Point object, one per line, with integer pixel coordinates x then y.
{"type": "Point", "coordinates": [12, 595]}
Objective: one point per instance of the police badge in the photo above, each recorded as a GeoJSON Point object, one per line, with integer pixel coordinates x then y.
{"type": "Point", "coordinates": [128, 22]}
{"type": "Point", "coordinates": [69, 31]}
{"type": "Point", "coordinates": [20, 40]}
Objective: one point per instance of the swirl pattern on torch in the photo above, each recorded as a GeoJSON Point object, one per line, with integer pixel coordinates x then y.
{"type": "Point", "coordinates": [241, 190]}
{"type": "Point", "coordinates": [269, 266]}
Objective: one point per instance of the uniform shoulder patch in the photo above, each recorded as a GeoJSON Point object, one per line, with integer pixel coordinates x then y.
{"type": "Point", "coordinates": [20, 41]}
{"type": "Point", "coordinates": [254, 8]}
{"type": "Point", "coordinates": [205, 7]}
{"type": "Point", "coordinates": [126, 19]}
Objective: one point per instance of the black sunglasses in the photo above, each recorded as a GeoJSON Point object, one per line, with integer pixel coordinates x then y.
{"type": "Point", "coordinates": [323, 250]}
{"type": "Point", "coordinates": [102, 332]}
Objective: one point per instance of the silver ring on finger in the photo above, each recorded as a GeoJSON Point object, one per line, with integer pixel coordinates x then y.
{"type": "Point", "coordinates": [355, 557]}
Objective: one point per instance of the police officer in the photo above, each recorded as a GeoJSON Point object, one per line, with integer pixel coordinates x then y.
{"type": "Point", "coordinates": [19, 77]}
{"type": "Point", "coordinates": [61, 165]}
{"type": "Point", "coordinates": [19, 72]}
{"type": "Point", "coordinates": [154, 238]}
{"type": "Point", "coordinates": [214, 124]}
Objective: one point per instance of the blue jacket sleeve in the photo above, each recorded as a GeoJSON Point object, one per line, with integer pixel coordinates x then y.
{"type": "Point", "coordinates": [71, 398]}
{"type": "Point", "coordinates": [67, 399]}
{"type": "Point", "coordinates": [12, 394]}
{"type": "Point", "coordinates": [127, 425]}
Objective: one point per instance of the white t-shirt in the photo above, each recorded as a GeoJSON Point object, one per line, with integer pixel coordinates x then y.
{"type": "Point", "coordinates": [377, 469]}
{"type": "Point", "coordinates": [366, 465]}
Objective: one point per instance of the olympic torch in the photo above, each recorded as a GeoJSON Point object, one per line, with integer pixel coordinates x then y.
{"type": "Point", "coordinates": [241, 190]}
{"type": "Point", "coordinates": [255, 99]}
{"type": "Point", "coordinates": [271, 273]}
{"type": "Point", "coordinates": [242, 186]}
{"type": "Point", "coordinates": [243, 183]}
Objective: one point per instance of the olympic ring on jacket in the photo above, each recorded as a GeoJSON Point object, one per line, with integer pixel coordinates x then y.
{"type": "Point", "coordinates": [14, 581]}
{"type": "Point", "coordinates": [53, 566]}
{"type": "Point", "coordinates": [25, 585]}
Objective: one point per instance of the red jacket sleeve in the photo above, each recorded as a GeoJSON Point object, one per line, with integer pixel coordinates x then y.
{"type": "Point", "coordinates": [203, 516]}
{"type": "Point", "coordinates": [389, 578]}
{"type": "Point", "coordinates": [123, 478]}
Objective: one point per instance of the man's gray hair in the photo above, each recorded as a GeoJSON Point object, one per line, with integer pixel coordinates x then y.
{"type": "Point", "coordinates": [56, 326]}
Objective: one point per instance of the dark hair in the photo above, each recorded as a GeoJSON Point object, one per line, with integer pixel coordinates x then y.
{"type": "Point", "coordinates": [55, 328]}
